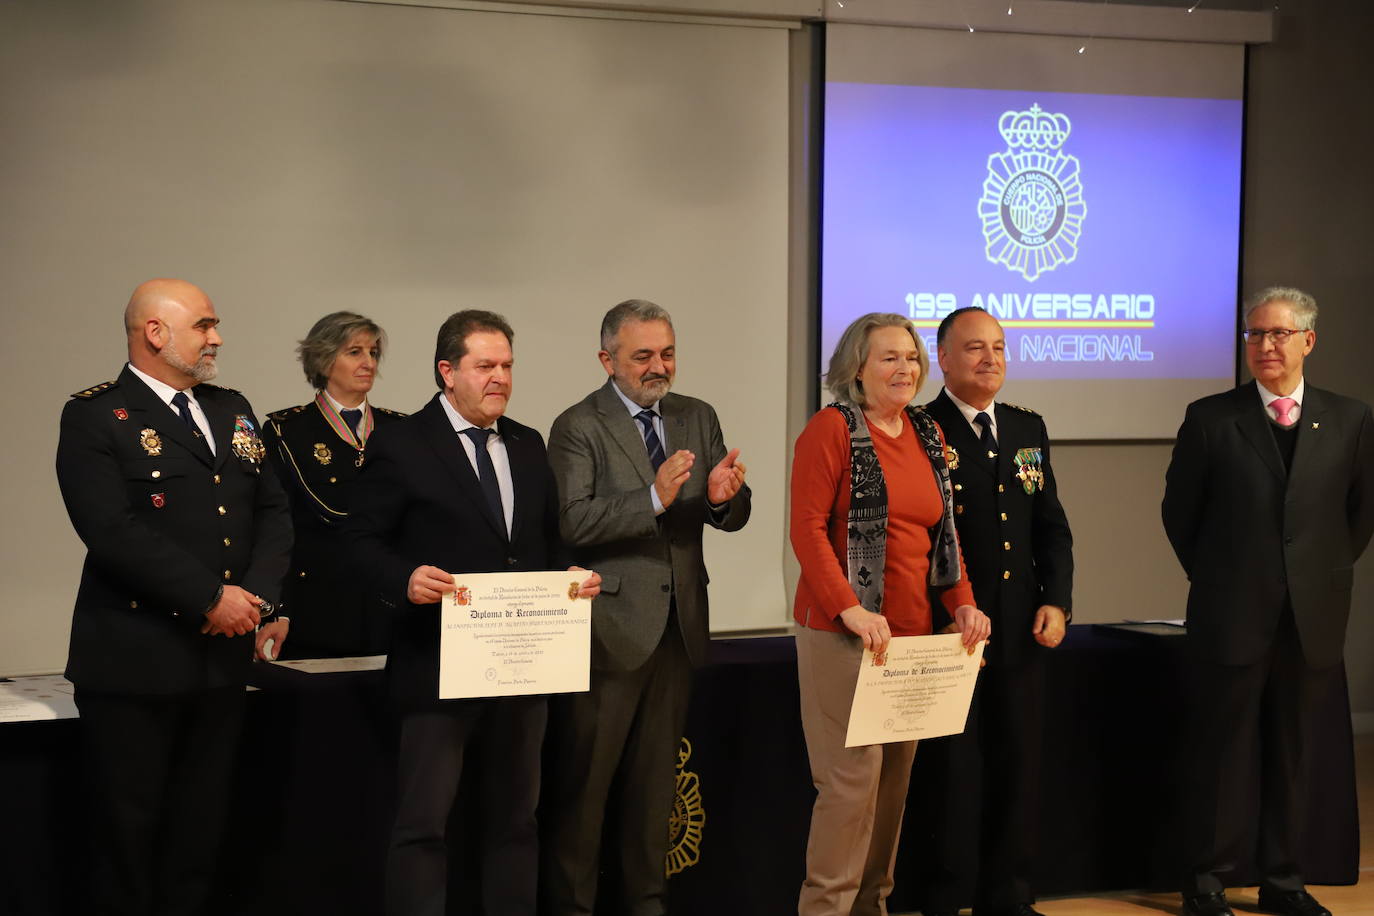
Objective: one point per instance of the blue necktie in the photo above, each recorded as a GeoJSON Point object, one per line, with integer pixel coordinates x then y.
{"type": "Point", "coordinates": [351, 416]}
{"type": "Point", "coordinates": [183, 405]}
{"type": "Point", "coordinates": [988, 443]}
{"type": "Point", "coordinates": [486, 474]}
{"type": "Point", "coordinates": [652, 443]}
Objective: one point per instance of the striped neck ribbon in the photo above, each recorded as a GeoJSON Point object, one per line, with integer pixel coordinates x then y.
{"type": "Point", "coordinates": [337, 423]}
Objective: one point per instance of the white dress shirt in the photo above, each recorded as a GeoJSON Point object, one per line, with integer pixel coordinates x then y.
{"type": "Point", "coordinates": [167, 392]}
{"type": "Point", "coordinates": [969, 412]}
{"type": "Point", "coordinates": [496, 448]}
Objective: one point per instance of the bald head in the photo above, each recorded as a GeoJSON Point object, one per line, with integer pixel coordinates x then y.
{"type": "Point", "coordinates": [171, 326]}
{"type": "Point", "coordinates": [153, 299]}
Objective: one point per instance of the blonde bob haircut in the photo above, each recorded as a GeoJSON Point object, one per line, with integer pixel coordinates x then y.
{"type": "Point", "coordinates": [852, 352]}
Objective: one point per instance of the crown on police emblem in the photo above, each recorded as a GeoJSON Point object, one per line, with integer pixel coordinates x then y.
{"type": "Point", "coordinates": [1032, 207]}
{"type": "Point", "coordinates": [1034, 129]}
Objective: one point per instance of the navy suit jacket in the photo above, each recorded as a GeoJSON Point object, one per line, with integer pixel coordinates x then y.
{"type": "Point", "coordinates": [165, 525]}
{"type": "Point", "coordinates": [1017, 546]}
{"type": "Point", "coordinates": [418, 502]}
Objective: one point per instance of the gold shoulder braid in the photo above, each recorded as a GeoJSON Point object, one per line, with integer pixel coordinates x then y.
{"type": "Point", "coordinates": [285, 413]}
{"type": "Point", "coordinates": [95, 390]}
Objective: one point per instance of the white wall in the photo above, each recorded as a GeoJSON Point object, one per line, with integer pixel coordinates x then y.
{"type": "Point", "coordinates": [294, 157]}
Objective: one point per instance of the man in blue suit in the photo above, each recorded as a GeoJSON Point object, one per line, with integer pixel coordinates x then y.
{"type": "Point", "coordinates": [458, 487]}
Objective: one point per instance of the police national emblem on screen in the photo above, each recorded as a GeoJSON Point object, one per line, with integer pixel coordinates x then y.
{"type": "Point", "coordinates": [1032, 207]}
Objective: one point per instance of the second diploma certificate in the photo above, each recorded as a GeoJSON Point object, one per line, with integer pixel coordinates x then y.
{"type": "Point", "coordinates": [511, 634]}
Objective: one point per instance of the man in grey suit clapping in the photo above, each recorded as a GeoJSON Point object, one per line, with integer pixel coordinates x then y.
{"type": "Point", "coordinates": [639, 473]}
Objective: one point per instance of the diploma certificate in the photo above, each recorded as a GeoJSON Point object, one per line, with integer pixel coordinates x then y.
{"type": "Point", "coordinates": [510, 634]}
{"type": "Point", "coordinates": [921, 688]}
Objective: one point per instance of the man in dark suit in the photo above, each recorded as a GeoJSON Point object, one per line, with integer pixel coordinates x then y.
{"type": "Point", "coordinates": [187, 537]}
{"type": "Point", "coordinates": [640, 471]}
{"type": "Point", "coordinates": [1269, 502]}
{"type": "Point", "coordinates": [458, 487]}
{"type": "Point", "coordinates": [1019, 553]}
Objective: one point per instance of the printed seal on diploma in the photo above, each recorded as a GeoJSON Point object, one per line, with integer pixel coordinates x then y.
{"type": "Point", "coordinates": [920, 688]}
{"type": "Point", "coordinates": [514, 634]}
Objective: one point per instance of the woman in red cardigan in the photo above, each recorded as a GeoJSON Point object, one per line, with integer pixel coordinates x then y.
{"type": "Point", "coordinates": [873, 529]}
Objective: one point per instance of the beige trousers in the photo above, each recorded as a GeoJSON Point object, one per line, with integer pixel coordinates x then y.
{"type": "Point", "coordinates": [860, 791]}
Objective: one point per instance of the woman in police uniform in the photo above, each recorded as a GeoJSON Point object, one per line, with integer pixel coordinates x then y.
{"type": "Point", "coordinates": [317, 449]}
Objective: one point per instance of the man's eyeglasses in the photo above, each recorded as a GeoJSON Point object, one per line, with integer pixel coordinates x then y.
{"type": "Point", "coordinates": [1277, 336]}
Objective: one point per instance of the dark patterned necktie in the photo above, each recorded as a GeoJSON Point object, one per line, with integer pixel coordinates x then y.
{"type": "Point", "coordinates": [988, 443]}
{"type": "Point", "coordinates": [652, 443]}
{"type": "Point", "coordinates": [486, 473]}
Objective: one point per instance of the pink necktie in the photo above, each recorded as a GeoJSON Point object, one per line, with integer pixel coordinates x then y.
{"type": "Point", "coordinates": [1282, 406]}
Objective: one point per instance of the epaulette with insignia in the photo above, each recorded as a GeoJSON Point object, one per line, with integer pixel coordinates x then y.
{"type": "Point", "coordinates": [279, 415]}
{"type": "Point", "coordinates": [391, 413]}
{"type": "Point", "coordinates": [1020, 408]}
{"type": "Point", "coordinates": [220, 388]}
{"type": "Point", "coordinates": [95, 390]}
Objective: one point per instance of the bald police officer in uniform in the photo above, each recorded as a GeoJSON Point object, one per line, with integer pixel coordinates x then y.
{"type": "Point", "coordinates": [187, 536]}
{"type": "Point", "coordinates": [1019, 553]}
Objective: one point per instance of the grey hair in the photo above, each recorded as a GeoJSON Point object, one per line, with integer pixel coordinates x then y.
{"type": "Point", "coordinates": [630, 310]}
{"type": "Point", "coordinates": [852, 352]}
{"type": "Point", "coordinates": [327, 338]}
{"type": "Point", "coordinates": [1303, 305]}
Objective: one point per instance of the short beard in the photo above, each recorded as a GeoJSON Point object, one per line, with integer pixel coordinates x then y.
{"type": "Point", "coordinates": [647, 394]}
{"type": "Point", "coordinates": [203, 371]}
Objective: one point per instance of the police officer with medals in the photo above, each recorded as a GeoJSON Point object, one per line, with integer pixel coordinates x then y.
{"type": "Point", "coordinates": [1019, 553]}
{"type": "Point", "coordinates": [188, 536]}
{"type": "Point", "coordinates": [318, 449]}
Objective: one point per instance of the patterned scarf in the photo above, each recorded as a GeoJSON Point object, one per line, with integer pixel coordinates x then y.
{"type": "Point", "coordinates": [868, 509]}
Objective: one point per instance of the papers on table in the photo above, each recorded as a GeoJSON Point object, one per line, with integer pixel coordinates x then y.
{"type": "Point", "coordinates": [335, 665]}
{"type": "Point", "coordinates": [30, 699]}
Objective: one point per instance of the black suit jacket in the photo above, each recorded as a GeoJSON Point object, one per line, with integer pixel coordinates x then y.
{"type": "Point", "coordinates": [165, 525]}
{"type": "Point", "coordinates": [1251, 535]}
{"type": "Point", "coordinates": [1017, 545]}
{"type": "Point", "coordinates": [330, 614]}
{"type": "Point", "coordinates": [418, 502]}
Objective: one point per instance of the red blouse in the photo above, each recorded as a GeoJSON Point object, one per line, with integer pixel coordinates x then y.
{"type": "Point", "coordinates": [820, 524]}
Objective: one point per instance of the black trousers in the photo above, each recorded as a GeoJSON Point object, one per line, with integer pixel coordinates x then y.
{"type": "Point", "coordinates": [160, 772]}
{"type": "Point", "coordinates": [501, 739]}
{"type": "Point", "coordinates": [1245, 718]}
{"type": "Point", "coordinates": [983, 850]}
{"type": "Point", "coordinates": [614, 749]}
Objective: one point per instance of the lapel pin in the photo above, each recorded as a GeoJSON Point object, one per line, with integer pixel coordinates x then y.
{"type": "Point", "coordinates": [121, 414]}
{"type": "Point", "coordinates": [159, 500]}
{"type": "Point", "coordinates": [1315, 424]}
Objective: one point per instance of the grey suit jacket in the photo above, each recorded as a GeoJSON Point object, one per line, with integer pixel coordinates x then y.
{"type": "Point", "coordinates": [606, 517]}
